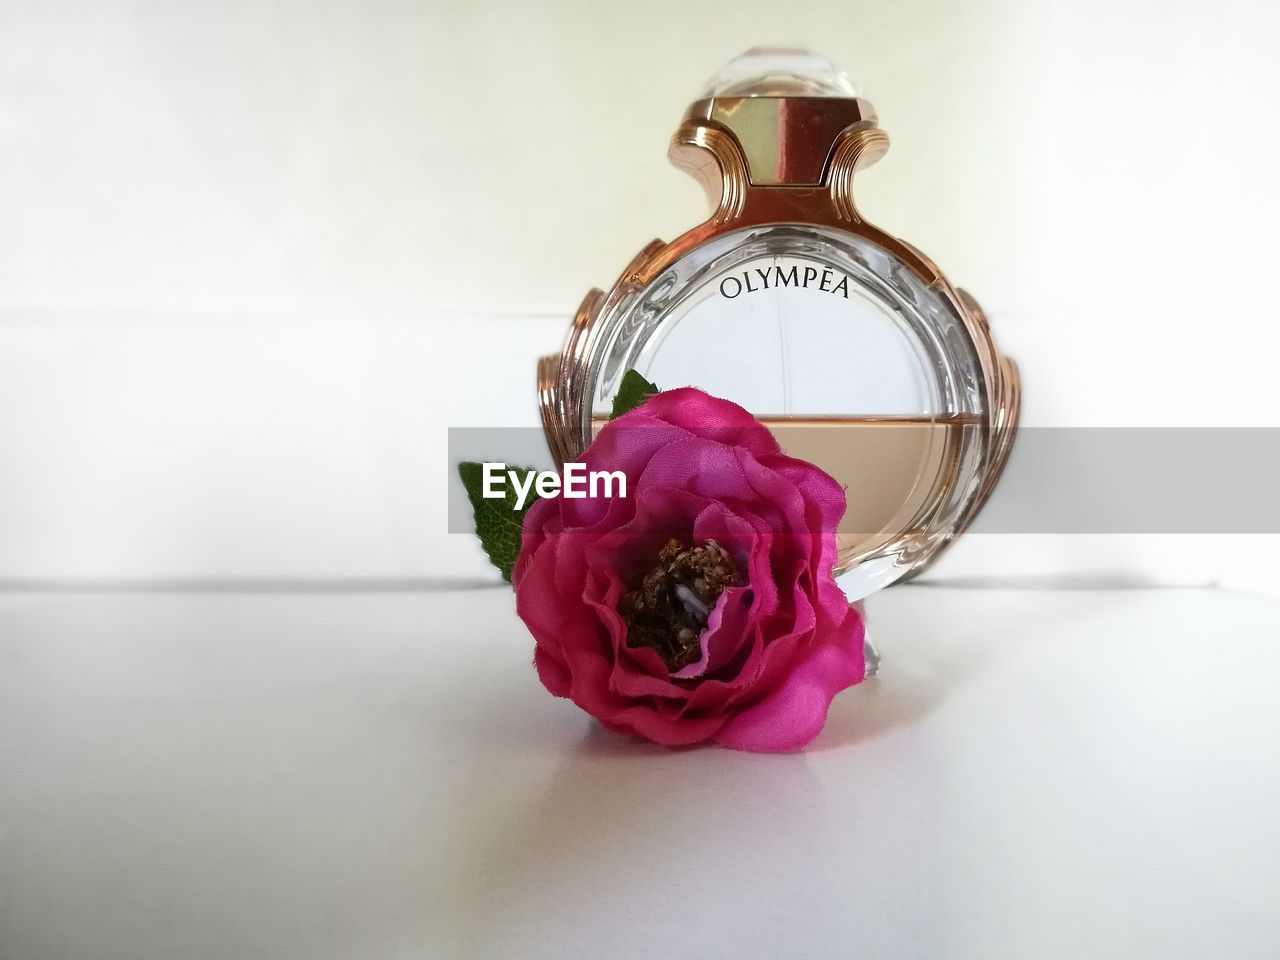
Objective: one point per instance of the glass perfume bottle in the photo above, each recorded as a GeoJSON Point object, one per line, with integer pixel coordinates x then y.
{"type": "Point", "coordinates": [847, 342]}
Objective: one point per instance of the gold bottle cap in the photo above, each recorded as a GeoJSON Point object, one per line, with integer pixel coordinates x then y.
{"type": "Point", "coordinates": [786, 108]}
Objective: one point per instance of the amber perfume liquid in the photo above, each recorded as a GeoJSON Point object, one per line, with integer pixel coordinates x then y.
{"type": "Point", "coordinates": [896, 471]}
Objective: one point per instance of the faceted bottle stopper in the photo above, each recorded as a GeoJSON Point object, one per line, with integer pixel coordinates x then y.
{"type": "Point", "coordinates": [779, 72]}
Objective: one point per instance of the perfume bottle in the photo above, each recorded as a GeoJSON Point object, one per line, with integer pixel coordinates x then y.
{"type": "Point", "coordinates": [847, 342]}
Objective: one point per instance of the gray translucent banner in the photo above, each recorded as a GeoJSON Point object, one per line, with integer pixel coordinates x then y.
{"type": "Point", "coordinates": [1058, 480]}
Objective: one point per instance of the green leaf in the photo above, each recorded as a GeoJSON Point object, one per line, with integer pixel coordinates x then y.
{"type": "Point", "coordinates": [498, 522]}
{"type": "Point", "coordinates": [633, 391]}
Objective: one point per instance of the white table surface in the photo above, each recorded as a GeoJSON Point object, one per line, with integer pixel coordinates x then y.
{"type": "Point", "coordinates": [1035, 774]}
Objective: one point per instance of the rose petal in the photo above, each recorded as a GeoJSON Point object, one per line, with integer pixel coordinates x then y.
{"type": "Point", "coordinates": [795, 712]}
{"type": "Point", "coordinates": [711, 417]}
{"type": "Point", "coordinates": [724, 634]}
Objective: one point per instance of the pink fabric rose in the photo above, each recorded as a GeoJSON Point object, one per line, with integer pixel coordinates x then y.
{"type": "Point", "coordinates": [702, 605]}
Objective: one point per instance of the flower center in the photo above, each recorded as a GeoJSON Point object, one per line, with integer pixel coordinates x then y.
{"type": "Point", "coordinates": [669, 610]}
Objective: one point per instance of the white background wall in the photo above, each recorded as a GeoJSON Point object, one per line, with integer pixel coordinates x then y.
{"type": "Point", "coordinates": [255, 258]}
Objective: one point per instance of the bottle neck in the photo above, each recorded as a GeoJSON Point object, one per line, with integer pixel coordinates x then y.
{"type": "Point", "coordinates": [784, 141]}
